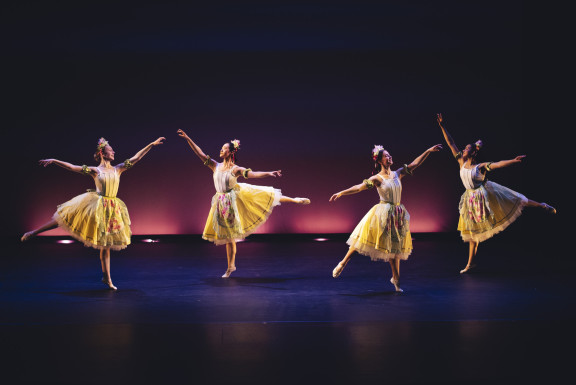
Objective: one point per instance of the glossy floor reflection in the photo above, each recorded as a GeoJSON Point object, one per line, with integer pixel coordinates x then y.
{"type": "Point", "coordinates": [281, 318]}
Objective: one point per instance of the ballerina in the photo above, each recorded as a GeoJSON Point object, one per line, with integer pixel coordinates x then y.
{"type": "Point", "coordinates": [486, 208]}
{"type": "Point", "coordinates": [238, 209]}
{"type": "Point", "coordinates": [97, 218]}
{"type": "Point", "coordinates": [384, 232]}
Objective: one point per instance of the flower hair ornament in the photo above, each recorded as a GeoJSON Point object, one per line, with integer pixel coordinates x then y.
{"type": "Point", "coordinates": [101, 144]}
{"type": "Point", "coordinates": [478, 144]}
{"type": "Point", "coordinates": [236, 144]}
{"type": "Point", "coordinates": [376, 150]}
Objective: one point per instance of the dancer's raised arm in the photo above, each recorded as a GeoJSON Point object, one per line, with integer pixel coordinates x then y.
{"type": "Point", "coordinates": [408, 169]}
{"type": "Point", "coordinates": [197, 150]}
{"type": "Point", "coordinates": [140, 154]}
{"type": "Point", "coordinates": [67, 166]}
{"type": "Point", "coordinates": [365, 185]}
{"type": "Point", "coordinates": [248, 173]}
{"type": "Point", "coordinates": [489, 166]}
{"type": "Point", "coordinates": [447, 137]}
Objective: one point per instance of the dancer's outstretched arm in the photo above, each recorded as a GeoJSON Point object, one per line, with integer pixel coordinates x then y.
{"type": "Point", "coordinates": [140, 154]}
{"type": "Point", "coordinates": [365, 185]}
{"type": "Point", "coordinates": [197, 150]}
{"type": "Point", "coordinates": [248, 173]}
{"type": "Point", "coordinates": [407, 169]}
{"type": "Point", "coordinates": [489, 166]}
{"type": "Point", "coordinates": [68, 166]}
{"type": "Point", "coordinates": [449, 141]}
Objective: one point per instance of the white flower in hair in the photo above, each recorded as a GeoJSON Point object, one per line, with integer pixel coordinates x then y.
{"type": "Point", "coordinates": [236, 144]}
{"type": "Point", "coordinates": [376, 151]}
{"type": "Point", "coordinates": [101, 144]}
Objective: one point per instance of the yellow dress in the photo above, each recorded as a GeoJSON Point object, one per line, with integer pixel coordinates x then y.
{"type": "Point", "coordinates": [384, 232]}
{"type": "Point", "coordinates": [238, 209]}
{"type": "Point", "coordinates": [97, 218]}
{"type": "Point", "coordinates": [486, 208]}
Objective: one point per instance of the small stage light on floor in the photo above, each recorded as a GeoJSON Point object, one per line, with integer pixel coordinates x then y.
{"type": "Point", "coordinates": [65, 241]}
{"type": "Point", "coordinates": [148, 240]}
{"type": "Point", "coordinates": [320, 239]}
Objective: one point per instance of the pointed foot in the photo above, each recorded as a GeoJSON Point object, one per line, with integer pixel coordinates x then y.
{"type": "Point", "coordinates": [229, 271]}
{"type": "Point", "coordinates": [27, 236]}
{"type": "Point", "coordinates": [396, 284]}
{"type": "Point", "coordinates": [337, 270]}
{"type": "Point", "coordinates": [108, 283]}
{"type": "Point", "coordinates": [549, 208]}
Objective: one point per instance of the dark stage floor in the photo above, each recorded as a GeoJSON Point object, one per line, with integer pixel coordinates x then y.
{"type": "Point", "coordinates": [281, 318]}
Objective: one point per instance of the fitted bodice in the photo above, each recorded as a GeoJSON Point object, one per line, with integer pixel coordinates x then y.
{"type": "Point", "coordinates": [390, 190]}
{"type": "Point", "coordinates": [223, 179]}
{"type": "Point", "coordinates": [471, 177]}
{"type": "Point", "coordinates": [107, 183]}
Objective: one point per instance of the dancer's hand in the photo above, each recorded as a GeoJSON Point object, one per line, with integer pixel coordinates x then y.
{"type": "Point", "coordinates": [182, 134]}
{"type": "Point", "coordinates": [275, 174]}
{"type": "Point", "coordinates": [334, 197]}
{"type": "Point", "coordinates": [519, 158]}
{"type": "Point", "coordinates": [158, 141]}
{"type": "Point", "coordinates": [439, 118]}
{"type": "Point", "coordinates": [435, 148]}
{"type": "Point", "coordinates": [46, 162]}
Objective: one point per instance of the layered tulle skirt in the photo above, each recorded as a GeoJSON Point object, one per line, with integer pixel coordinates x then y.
{"type": "Point", "coordinates": [487, 210]}
{"type": "Point", "coordinates": [237, 213]}
{"type": "Point", "coordinates": [383, 233]}
{"type": "Point", "coordinates": [97, 221]}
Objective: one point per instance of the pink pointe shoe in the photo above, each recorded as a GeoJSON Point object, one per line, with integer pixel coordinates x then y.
{"type": "Point", "coordinates": [229, 271]}
{"type": "Point", "coordinates": [303, 201]}
{"type": "Point", "coordinates": [109, 284]}
{"type": "Point", "coordinates": [396, 282]}
{"type": "Point", "coordinates": [467, 269]}
{"type": "Point", "coordinates": [337, 270]}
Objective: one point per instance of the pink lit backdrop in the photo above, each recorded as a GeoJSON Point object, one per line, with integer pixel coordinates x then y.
{"type": "Point", "coordinates": [308, 96]}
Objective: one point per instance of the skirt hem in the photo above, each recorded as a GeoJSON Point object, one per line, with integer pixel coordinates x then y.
{"type": "Point", "coordinates": [375, 254]}
{"type": "Point", "coordinates": [78, 237]}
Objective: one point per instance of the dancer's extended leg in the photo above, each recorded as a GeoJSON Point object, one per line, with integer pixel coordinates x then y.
{"type": "Point", "coordinates": [45, 227]}
{"type": "Point", "coordinates": [302, 201]}
{"type": "Point", "coordinates": [338, 269]}
{"type": "Point", "coordinates": [543, 205]}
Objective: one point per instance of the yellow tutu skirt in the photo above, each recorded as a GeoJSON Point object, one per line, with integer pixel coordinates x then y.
{"type": "Point", "coordinates": [383, 233]}
{"type": "Point", "coordinates": [237, 213]}
{"type": "Point", "coordinates": [487, 210]}
{"type": "Point", "coordinates": [97, 221]}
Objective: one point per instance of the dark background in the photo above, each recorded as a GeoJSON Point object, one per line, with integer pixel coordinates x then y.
{"type": "Point", "coordinates": [308, 87]}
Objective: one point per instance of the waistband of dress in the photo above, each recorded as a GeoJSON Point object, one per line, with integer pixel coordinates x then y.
{"type": "Point", "coordinates": [391, 203]}
{"type": "Point", "coordinates": [99, 193]}
{"type": "Point", "coordinates": [225, 192]}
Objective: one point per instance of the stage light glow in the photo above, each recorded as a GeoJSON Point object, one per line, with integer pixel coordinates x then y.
{"type": "Point", "coordinates": [148, 240]}
{"type": "Point", "coordinates": [65, 241]}
{"type": "Point", "coordinates": [321, 239]}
